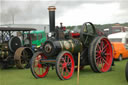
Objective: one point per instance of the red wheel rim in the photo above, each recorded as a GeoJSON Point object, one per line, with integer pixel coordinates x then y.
{"type": "Point", "coordinates": [104, 55]}
{"type": "Point", "coordinates": [66, 66]}
{"type": "Point", "coordinates": [39, 69]}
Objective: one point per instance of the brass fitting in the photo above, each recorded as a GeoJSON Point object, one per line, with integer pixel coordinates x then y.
{"type": "Point", "coordinates": [51, 8]}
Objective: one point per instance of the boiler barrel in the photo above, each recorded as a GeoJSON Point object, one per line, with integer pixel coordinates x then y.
{"type": "Point", "coordinates": [52, 48]}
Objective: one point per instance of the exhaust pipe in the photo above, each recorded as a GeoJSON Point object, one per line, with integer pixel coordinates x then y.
{"type": "Point", "coordinates": [52, 18]}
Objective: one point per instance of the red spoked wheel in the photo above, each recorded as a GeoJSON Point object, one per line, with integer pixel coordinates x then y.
{"type": "Point", "coordinates": [102, 56]}
{"type": "Point", "coordinates": [65, 65]}
{"type": "Point", "coordinates": [39, 70]}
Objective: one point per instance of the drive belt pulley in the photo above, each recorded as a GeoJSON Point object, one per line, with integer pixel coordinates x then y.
{"type": "Point", "coordinates": [22, 57]}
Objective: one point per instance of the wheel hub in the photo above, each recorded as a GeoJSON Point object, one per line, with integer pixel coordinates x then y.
{"type": "Point", "coordinates": [102, 54]}
{"type": "Point", "coordinates": [39, 65]}
{"type": "Point", "coordinates": [64, 64]}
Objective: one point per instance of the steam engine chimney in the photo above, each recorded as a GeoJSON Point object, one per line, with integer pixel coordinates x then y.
{"type": "Point", "coordinates": [52, 18]}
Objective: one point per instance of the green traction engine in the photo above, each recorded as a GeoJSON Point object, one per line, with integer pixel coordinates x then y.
{"type": "Point", "coordinates": [60, 51]}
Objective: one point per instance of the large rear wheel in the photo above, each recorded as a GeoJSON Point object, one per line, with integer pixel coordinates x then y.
{"type": "Point", "coordinates": [39, 70]}
{"type": "Point", "coordinates": [101, 56]}
{"type": "Point", "coordinates": [65, 65]}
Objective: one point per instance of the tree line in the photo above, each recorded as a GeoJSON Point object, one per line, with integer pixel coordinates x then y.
{"type": "Point", "coordinates": [98, 26]}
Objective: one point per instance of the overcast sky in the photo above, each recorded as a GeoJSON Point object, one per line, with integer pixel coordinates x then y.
{"type": "Point", "coordinates": [70, 12]}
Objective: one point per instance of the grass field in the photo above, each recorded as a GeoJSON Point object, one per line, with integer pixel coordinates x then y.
{"type": "Point", "coordinates": [15, 76]}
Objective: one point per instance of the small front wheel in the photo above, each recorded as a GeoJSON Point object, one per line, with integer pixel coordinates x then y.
{"type": "Point", "coordinates": [65, 65]}
{"type": "Point", "coordinates": [39, 70]}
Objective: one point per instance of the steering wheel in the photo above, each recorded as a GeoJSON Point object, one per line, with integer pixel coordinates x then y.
{"type": "Point", "coordinates": [87, 33]}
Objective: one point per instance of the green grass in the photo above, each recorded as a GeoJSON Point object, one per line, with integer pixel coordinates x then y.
{"type": "Point", "coordinates": [16, 76]}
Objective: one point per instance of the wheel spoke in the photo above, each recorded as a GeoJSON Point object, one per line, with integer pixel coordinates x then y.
{"type": "Point", "coordinates": [105, 47]}
{"type": "Point", "coordinates": [64, 58]}
{"type": "Point", "coordinates": [60, 68]}
{"type": "Point", "coordinates": [104, 57]}
{"type": "Point", "coordinates": [101, 63]}
{"type": "Point", "coordinates": [97, 51]}
{"type": "Point", "coordinates": [97, 54]}
{"type": "Point", "coordinates": [60, 64]}
{"type": "Point", "coordinates": [105, 61]}
{"type": "Point", "coordinates": [68, 60]}
{"type": "Point", "coordinates": [37, 70]}
{"type": "Point", "coordinates": [38, 57]}
{"type": "Point", "coordinates": [104, 51]}
{"type": "Point", "coordinates": [98, 57]}
{"type": "Point", "coordinates": [99, 47]}
{"type": "Point", "coordinates": [97, 62]}
{"type": "Point", "coordinates": [36, 65]}
{"type": "Point", "coordinates": [62, 71]}
{"type": "Point", "coordinates": [67, 70]}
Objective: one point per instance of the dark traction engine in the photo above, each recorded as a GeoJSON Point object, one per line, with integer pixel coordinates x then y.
{"type": "Point", "coordinates": [61, 51]}
{"type": "Point", "coordinates": [12, 52]}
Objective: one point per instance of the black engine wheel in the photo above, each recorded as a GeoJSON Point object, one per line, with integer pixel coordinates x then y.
{"type": "Point", "coordinates": [126, 71]}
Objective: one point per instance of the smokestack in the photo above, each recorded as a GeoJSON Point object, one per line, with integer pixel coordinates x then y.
{"type": "Point", "coordinates": [52, 18]}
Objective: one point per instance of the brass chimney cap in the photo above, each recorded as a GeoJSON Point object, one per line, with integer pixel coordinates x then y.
{"type": "Point", "coordinates": [51, 8]}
